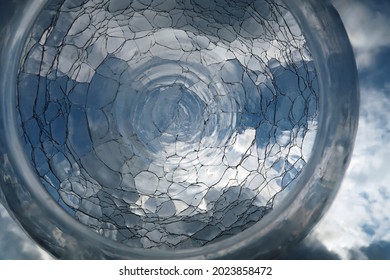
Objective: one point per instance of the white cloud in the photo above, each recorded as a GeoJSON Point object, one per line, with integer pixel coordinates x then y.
{"type": "Point", "coordinates": [367, 29]}
{"type": "Point", "coordinates": [14, 243]}
{"type": "Point", "coordinates": [360, 214]}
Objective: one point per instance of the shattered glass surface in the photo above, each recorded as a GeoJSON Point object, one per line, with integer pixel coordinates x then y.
{"type": "Point", "coordinates": [167, 124]}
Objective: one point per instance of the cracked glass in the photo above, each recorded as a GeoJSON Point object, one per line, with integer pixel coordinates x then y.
{"type": "Point", "coordinates": [167, 124]}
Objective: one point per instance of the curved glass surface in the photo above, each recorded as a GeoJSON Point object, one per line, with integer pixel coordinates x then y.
{"type": "Point", "coordinates": [210, 130]}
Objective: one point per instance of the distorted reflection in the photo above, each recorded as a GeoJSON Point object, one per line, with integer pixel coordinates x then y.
{"type": "Point", "coordinates": [167, 124]}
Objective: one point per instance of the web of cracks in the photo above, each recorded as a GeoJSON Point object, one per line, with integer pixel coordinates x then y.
{"type": "Point", "coordinates": [167, 124]}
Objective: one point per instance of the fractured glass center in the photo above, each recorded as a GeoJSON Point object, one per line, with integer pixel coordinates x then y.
{"type": "Point", "coordinates": [167, 124]}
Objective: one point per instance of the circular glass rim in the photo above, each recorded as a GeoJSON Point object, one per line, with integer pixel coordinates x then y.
{"type": "Point", "coordinates": [62, 236]}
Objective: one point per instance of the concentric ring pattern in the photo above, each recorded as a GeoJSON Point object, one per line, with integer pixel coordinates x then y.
{"type": "Point", "coordinates": [167, 124]}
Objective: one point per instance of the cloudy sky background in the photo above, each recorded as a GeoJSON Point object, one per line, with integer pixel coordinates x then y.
{"type": "Point", "coordinates": [357, 226]}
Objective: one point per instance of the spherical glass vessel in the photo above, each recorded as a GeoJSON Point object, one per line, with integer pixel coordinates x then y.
{"type": "Point", "coordinates": [173, 129]}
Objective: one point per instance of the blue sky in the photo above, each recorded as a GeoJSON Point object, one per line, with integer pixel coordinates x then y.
{"type": "Point", "coordinates": [357, 226]}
